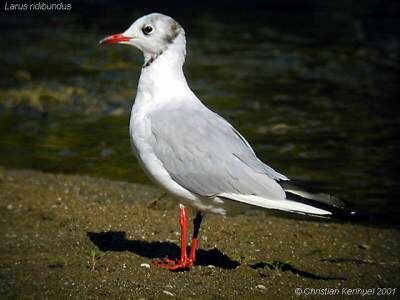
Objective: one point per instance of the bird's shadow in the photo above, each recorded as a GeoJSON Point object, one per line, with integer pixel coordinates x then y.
{"type": "Point", "coordinates": [116, 241]}
{"type": "Point", "coordinates": [287, 267]}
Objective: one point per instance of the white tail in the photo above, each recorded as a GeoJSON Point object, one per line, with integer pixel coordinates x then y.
{"type": "Point", "coordinates": [281, 204]}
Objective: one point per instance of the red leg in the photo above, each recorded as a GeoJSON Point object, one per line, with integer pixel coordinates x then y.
{"type": "Point", "coordinates": [184, 262]}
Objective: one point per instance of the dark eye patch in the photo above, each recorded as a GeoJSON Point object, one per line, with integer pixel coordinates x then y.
{"type": "Point", "coordinates": [147, 29]}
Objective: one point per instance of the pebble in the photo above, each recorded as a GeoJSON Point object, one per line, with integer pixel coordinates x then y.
{"type": "Point", "coordinates": [261, 287]}
{"type": "Point", "coordinates": [168, 293]}
{"type": "Point", "coordinates": [144, 265]}
{"type": "Point", "coordinates": [211, 266]}
{"type": "Point", "coordinates": [364, 246]}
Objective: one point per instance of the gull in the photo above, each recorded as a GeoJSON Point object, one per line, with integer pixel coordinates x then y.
{"type": "Point", "coordinates": [192, 152]}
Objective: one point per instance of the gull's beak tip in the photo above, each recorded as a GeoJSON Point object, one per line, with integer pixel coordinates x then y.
{"type": "Point", "coordinates": [114, 39]}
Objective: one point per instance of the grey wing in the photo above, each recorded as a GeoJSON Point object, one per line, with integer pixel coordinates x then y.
{"type": "Point", "coordinates": [205, 154]}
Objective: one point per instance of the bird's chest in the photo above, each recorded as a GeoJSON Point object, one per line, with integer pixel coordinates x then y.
{"type": "Point", "coordinates": [140, 133]}
{"type": "Point", "coordinates": [143, 141]}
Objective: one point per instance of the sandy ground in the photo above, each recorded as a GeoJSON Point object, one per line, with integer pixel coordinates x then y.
{"type": "Point", "coordinates": [81, 237]}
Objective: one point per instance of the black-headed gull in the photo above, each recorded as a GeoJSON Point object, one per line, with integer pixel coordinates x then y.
{"type": "Point", "coordinates": [192, 152]}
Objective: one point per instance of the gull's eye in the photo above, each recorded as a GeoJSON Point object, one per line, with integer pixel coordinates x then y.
{"type": "Point", "coordinates": [147, 29]}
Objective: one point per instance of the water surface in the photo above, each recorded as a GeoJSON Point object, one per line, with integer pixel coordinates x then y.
{"type": "Point", "coordinates": [315, 97]}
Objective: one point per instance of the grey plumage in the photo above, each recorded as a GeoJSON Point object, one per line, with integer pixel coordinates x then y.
{"type": "Point", "coordinates": [206, 155]}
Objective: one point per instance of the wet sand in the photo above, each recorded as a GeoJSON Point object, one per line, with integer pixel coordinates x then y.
{"type": "Point", "coordinates": [82, 237]}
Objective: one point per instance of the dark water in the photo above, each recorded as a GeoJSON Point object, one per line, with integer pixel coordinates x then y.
{"type": "Point", "coordinates": [314, 94]}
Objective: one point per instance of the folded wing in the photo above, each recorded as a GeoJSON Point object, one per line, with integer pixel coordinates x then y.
{"type": "Point", "coordinates": [203, 153]}
{"type": "Point", "coordinates": [206, 155]}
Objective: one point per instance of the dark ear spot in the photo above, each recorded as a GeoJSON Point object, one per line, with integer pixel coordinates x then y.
{"type": "Point", "coordinates": [173, 32]}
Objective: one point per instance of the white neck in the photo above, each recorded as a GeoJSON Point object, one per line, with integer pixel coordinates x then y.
{"type": "Point", "coordinates": [162, 76]}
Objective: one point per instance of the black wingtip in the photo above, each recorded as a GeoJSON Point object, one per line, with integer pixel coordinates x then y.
{"type": "Point", "coordinates": [337, 209]}
{"type": "Point", "coordinates": [344, 214]}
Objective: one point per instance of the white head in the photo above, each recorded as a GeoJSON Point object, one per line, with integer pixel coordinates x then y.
{"type": "Point", "coordinates": [153, 34]}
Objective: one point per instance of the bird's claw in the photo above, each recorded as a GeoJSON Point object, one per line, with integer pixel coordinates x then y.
{"type": "Point", "coordinates": [173, 265]}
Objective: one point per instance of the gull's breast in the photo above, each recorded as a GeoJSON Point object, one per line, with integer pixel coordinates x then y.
{"type": "Point", "coordinates": [140, 136]}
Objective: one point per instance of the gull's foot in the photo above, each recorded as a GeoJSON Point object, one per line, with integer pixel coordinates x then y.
{"type": "Point", "coordinates": [173, 265]}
